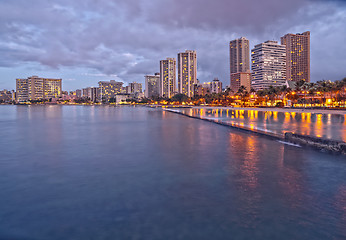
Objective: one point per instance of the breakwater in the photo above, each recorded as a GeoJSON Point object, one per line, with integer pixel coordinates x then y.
{"type": "Point", "coordinates": [327, 145]}
{"type": "Point", "coordinates": [317, 143]}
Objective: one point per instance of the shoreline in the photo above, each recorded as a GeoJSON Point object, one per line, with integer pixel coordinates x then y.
{"type": "Point", "coordinates": [284, 110]}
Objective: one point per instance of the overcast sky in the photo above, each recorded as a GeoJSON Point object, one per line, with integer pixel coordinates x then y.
{"type": "Point", "coordinates": [85, 41]}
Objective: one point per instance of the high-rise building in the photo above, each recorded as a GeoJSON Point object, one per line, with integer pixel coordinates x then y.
{"type": "Point", "coordinates": [187, 72]}
{"type": "Point", "coordinates": [239, 55]}
{"type": "Point", "coordinates": [109, 89]}
{"type": "Point", "coordinates": [52, 88]}
{"type": "Point", "coordinates": [35, 88]}
{"type": "Point", "coordinates": [240, 79]}
{"type": "Point", "coordinates": [297, 56]}
{"type": "Point", "coordinates": [22, 90]}
{"type": "Point", "coordinates": [92, 93]}
{"type": "Point", "coordinates": [152, 87]}
{"type": "Point", "coordinates": [268, 65]}
{"type": "Point", "coordinates": [167, 77]}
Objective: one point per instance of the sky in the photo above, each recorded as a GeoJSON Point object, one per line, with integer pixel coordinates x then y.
{"type": "Point", "coordinates": [85, 41]}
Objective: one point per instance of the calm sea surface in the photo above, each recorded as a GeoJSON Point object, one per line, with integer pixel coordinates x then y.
{"type": "Point", "coordinates": [330, 126]}
{"type": "Point", "coordinates": [83, 172]}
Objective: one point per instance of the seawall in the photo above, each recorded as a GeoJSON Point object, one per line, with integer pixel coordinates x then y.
{"type": "Point", "coordinates": [317, 143]}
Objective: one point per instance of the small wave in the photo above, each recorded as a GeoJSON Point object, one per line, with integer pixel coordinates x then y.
{"type": "Point", "coordinates": [288, 143]}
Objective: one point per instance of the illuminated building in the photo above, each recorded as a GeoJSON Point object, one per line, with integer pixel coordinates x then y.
{"type": "Point", "coordinates": [7, 96]}
{"type": "Point", "coordinates": [240, 79]}
{"type": "Point", "coordinates": [92, 93]}
{"type": "Point", "coordinates": [268, 65]}
{"type": "Point", "coordinates": [35, 88]}
{"type": "Point", "coordinates": [239, 55]}
{"type": "Point", "coordinates": [108, 89]}
{"type": "Point", "coordinates": [52, 88]}
{"type": "Point", "coordinates": [216, 86]}
{"type": "Point", "coordinates": [152, 87]}
{"type": "Point", "coordinates": [202, 89]}
{"type": "Point", "coordinates": [187, 72]}
{"type": "Point", "coordinates": [22, 87]}
{"type": "Point", "coordinates": [297, 56]}
{"type": "Point", "coordinates": [135, 87]}
{"type": "Point", "coordinates": [167, 77]}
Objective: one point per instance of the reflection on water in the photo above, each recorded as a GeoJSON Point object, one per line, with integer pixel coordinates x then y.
{"type": "Point", "coordinates": [82, 172]}
{"type": "Point", "coordinates": [331, 126]}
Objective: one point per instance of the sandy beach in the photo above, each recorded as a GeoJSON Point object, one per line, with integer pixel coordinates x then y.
{"type": "Point", "coordinates": [313, 111]}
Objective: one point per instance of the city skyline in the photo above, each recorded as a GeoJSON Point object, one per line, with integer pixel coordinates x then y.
{"type": "Point", "coordinates": [32, 46]}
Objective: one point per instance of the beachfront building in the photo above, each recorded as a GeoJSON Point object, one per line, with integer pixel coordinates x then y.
{"type": "Point", "coordinates": [7, 96]}
{"type": "Point", "coordinates": [109, 89]}
{"type": "Point", "coordinates": [152, 87]}
{"type": "Point", "coordinates": [268, 65]}
{"type": "Point", "coordinates": [216, 86]}
{"type": "Point", "coordinates": [202, 89]}
{"type": "Point", "coordinates": [92, 93]}
{"type": "Point", "coordinates": [187, 72]}
{"type": "Point", "coordinates": [134, 87]}
{"type": "Point", "coordinates": [297, 56]}
{"type": "Point", "coordinates": [239, 55]}
{"type": "Point", "coordinates": [35, 88]}
{"type": "Point", "coordinates": [240, 79]}
{"type": "Point", "coordinates": [167, 77]}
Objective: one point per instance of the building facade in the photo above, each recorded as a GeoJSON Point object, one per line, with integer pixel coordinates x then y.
{"type": "Point", "coordinates": [92, 93]}
{"type": "Point", "coordinates": [202, 89]}
{"type": "Point", "coordinates": [167, 77]}
{"type": "Point", "coordinates": [109, 89]}
{"type": "Point", "coordinates": [240, 79]}
{"type": "Point", "coordinates": [152, 85]}
{"type": "Point", "coordinates": [239, 55]}
{"type": "Point", "coordinates": [135, 87]}
{"type": "Point", "coordinates": [78, 93]}
{"type": "Point", "coordinates": [7, 96]}
{"type": "Point", "coordinates": [22, 90]}
{"type": "Point", "coordinates": [268, 65]}
{"type": "Point", "coordinates": [297, 56]}
{"type": "Point", "coordinates": [216, 86]}
{"type": "Point", "coordinates": [35, 88]}
{"type": "Point", "coordinates": [187, 72]}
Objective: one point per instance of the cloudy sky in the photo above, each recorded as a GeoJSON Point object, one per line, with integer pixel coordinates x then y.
{"type": "Point", "coordinates": [84, 41]}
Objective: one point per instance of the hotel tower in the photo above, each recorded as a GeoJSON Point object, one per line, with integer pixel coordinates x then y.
{"type": "Point", "coordinates": [167, 77]}
{"type": "Point", "coordinates": [297, 56]}
{"type": "Point", "coordinates": [268, 65]}
{"type": "Point", "coordinates": [187, 72]}
{"type": "Point", "coordinates": [36, 88]}
{"type": "Point", "coordinates": [239, 55]}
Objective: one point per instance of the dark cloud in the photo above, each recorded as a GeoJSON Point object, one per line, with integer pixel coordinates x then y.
{"type": "Point", "coordinates": [127, 38]}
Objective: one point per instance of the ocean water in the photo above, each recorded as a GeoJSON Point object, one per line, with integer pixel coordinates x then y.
{"type": "Point", "coordinates": [98, 172]}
